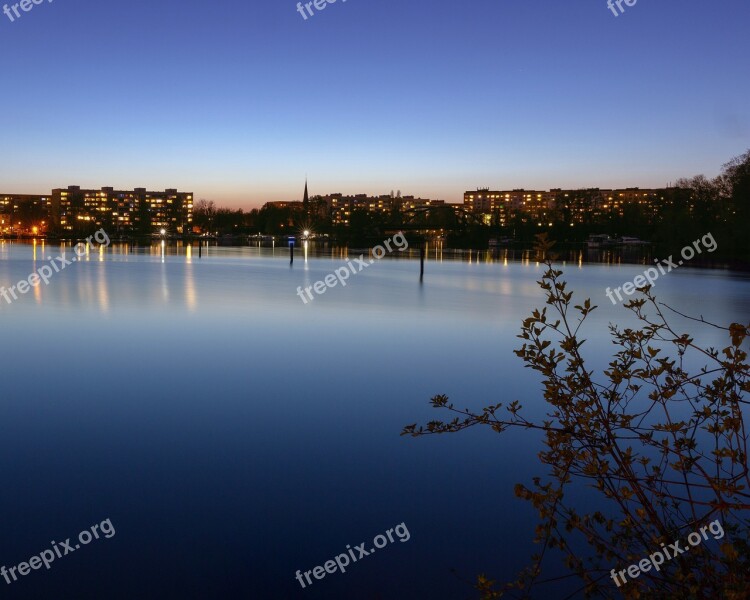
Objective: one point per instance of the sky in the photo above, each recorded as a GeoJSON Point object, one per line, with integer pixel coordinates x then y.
{"type": "Point", "coordinates": [239, 101]}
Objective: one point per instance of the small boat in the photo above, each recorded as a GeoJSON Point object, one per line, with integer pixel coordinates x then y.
{"type": "Point", "coordinates": [632, 241]}
{"type": "Point", "coordinates": [503, 241]}
{"type": "Point", "coordinates": [600, 240]}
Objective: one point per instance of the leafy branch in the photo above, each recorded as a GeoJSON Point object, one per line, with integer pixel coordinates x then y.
{"type": "Point", "coordinates": [664, 449]}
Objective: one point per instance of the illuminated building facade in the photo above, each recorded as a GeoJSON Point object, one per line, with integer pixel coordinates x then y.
{"type": "Point", "coordinates": [570, 206]}
{"type": "Point", "coordinates": [340, 207]}
{"type": "Point", "coordinates": [536, 205]}
{"type": "Point", "coordinates": [136, 211]}
{"type": "Point", "coordinates": [23, 214]}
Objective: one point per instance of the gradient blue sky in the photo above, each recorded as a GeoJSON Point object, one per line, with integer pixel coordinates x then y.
{"type": "Point", "coordinates": [238, 100]}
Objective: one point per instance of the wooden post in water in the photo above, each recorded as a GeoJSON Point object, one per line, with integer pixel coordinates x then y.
{"type": "Point", "coordinates": [200, 249]}
{"type": "Point", "coordinates": [291, 253]}
{"type": "Point", "coordinates": [421, 263]}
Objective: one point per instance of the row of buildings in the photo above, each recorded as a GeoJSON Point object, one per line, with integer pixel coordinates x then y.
{"type": "Point", "coordinates": [494, 207]}
{"type": "Point", "coordinates": [339, 207]}
{"type": "Point", "coordinates": [571, 206]}
{"type": "Point", "coordinates": [72, 210]}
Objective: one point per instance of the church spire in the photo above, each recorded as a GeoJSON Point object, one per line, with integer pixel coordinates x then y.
{"type": "Point", "coordinates": [306, 201]}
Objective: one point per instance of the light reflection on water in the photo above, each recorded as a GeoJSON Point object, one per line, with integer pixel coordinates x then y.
{"type": "Point", "coordinates": [309, 249]}
{"type": "Point", "coordinates": [225, 427]}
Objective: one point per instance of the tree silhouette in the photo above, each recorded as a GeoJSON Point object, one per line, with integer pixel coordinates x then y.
{"type": "Point", "coordinates": [663, 448]}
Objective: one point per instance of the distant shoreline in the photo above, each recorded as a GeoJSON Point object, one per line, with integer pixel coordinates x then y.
{"type": "Point", "coordinates": [516, 252]}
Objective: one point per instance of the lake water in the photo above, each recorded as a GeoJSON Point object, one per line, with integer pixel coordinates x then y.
{"type": "Point", "coordinates": [233, 434]}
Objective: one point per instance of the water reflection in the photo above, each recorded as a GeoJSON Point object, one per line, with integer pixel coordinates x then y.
{"type": "Point", "coordinates": [157, 440]}
{"type": "Point", "coordinates": [191, 297]}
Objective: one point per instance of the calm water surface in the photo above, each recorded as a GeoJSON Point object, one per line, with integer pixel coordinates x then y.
{"type": "Point", "coordinates": [234, 435]}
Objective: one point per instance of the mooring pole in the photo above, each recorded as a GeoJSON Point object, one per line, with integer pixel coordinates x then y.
{"type": "Point", "coordinates": [421, 262]}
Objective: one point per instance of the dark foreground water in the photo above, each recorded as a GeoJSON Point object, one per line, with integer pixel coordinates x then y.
{"type": "Point", "coordinates": [233, 435]}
